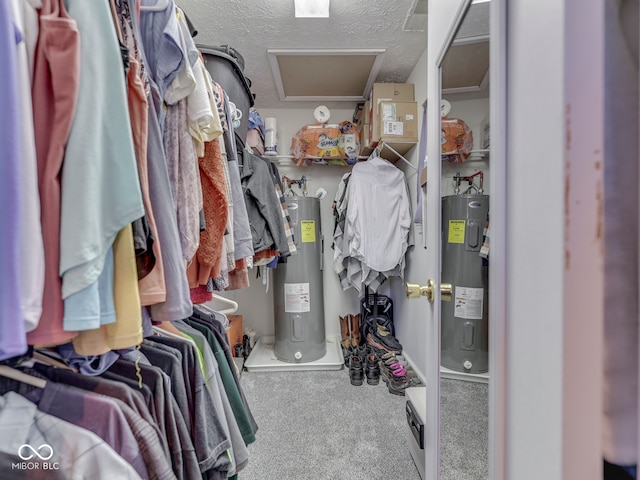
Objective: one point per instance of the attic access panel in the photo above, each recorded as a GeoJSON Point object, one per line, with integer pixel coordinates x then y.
{"type": "Point", "coordinates": [466, 67]}
{"type": "Point", "coordinates": [325, 75]}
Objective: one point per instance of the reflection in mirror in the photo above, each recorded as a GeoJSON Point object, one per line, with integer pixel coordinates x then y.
{"type": "Point", "coordinates": [465, 137]}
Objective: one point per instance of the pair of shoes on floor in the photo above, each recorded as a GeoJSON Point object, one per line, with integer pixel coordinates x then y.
{"type": "Point", "coordinates": [363, 364]}
{"type": "Point", "coordinates": [350, 330]}
{"type": "Point", "coordinates": [361, 351]}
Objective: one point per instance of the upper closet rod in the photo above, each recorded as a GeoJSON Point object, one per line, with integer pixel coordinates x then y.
{"type": "Point", "coordinates": [158, 7]}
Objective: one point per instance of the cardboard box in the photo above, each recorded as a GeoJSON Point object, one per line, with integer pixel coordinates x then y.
{"type": "Point", "coordinates": [386, 92]}
{"type": "Point", "coordinates": [396, 122]}
{"type": "Point", "coordinates": [392, 92]}
{"type": "Point", "coordinates": [234, 332]}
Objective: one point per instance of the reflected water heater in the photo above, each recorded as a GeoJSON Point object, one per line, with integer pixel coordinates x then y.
{"type": "Point", "coordinates": [465, 325]}
{"type": "Point", "coordinates": [298, 290]}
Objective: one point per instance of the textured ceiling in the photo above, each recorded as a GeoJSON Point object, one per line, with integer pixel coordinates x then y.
{"type": "Point", "coordinates": [253, 26]}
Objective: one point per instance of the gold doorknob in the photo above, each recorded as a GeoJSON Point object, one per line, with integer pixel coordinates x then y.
{"type": "Point", "coordinates": [446, 292]}
{"type": "Point", "coordinates": [413, 290]}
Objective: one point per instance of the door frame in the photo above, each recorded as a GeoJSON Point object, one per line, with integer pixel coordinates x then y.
{"type": "Point", "coordinates": [498, 263]}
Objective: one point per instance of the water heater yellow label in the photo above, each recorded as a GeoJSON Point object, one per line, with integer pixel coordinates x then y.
{"type": "Point", "coordinates": [308, 231]}
{"type": "Point", "coordinates": [456, 231]}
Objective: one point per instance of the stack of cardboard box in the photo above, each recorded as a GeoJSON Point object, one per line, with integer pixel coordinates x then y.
{"type": "Point", "coordinates": [390, 116]}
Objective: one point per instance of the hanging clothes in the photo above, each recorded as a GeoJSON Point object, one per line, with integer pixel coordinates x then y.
{"type": "Point", "coordinates": [32, 249]}
{"type": "Point", "coordinates": [152, 286]}
{"type": "Point", "coordinates": [12, 339]}
{"type": "Point", "coordinates": [80, 453]}
{"type": "Point", "coordinates": [377, 225]}
{"type": "Point", "coordinates": [109, 183]}
{"type": "Point", "coordinates": [56, 80]}
{"type": "Point", "coordinates": [119, 117]}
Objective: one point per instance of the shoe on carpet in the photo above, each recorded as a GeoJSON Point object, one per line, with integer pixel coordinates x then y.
{"type": "Point", "coordinates": [373, 370]}
{"type": "Point", "coordinates": [398, 383]}
{"type": "Point", "coordinates": [356, 372]}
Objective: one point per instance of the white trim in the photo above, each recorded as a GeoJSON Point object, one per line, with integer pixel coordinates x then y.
{"type": "Point", "coordinates": [497, 265]}
{"type": "Point", "coordinates": [470, 40]}
{"type": "Point", "coordinates": [464, 377]}
{"type": "Point", "coordinates": [455, 26]}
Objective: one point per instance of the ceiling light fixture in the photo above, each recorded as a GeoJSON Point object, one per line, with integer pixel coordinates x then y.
{"type": "Point", "coordinates": [312, 8]}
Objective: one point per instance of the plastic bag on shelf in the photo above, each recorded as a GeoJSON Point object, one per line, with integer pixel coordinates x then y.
{"type": "Point", "coordinates": [326, 144]}
{"type": "Point", "coordinates": [456, 139]}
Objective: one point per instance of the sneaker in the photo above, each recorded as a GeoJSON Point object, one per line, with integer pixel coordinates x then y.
{"type": "Point", "coordinates": [356, 372]}
{"type": "Point", "coordinates": [373, 370]}
{"type": "Point", "coordinates": [387, 370]}
{"type": "Point", "coordinates": [397, 384]}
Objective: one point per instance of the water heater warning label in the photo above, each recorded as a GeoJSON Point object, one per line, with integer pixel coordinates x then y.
{"type": "Point", "coordinates": [456, 231]}
{"type": "Point", "coordinates": [296, 298]}
{"type": "Point", "coordinates": [308, 231]}
{"type": "Point", "coordinates": [468, 303]}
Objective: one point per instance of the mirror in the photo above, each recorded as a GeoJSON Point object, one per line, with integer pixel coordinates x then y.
{"type": "Point", "coordinates": [465, 138]}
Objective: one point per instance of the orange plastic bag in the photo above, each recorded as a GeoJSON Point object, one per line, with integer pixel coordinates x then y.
{"type": "Point", "coordinates": [457, 139]}
{"type": "Point", "coordinates": [322, 143]}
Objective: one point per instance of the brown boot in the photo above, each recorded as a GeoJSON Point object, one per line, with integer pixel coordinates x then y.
{"type": "Point", "coordinates": [344, 331]}
{"type": "Point", "coordinates": [355, 330]}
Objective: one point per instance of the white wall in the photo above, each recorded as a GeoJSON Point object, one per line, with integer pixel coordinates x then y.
{"type": "Point", "coordinates": [409, 317]}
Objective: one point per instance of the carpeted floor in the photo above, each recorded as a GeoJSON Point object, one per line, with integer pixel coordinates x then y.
{"type": "Point", "coordinates": [464, 439]}
{"type": "Point", "coordinates": [317, 426]}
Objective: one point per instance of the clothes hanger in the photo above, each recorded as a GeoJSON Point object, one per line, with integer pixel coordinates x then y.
{"type": "Point", "coordinates": [158, 7]}
{"type": "Point", "coordinates": [233, 305]}
{"type": "Point", "coordinates": [17, 375]}
{"type": "Point", "coordinates": [169, 327]}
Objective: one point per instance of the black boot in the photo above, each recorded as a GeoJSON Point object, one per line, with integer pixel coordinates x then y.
{"type": "Point", "coordinates": [373, 370]}
{"type": "Point", "coordinates": [347, 353]}
{"type": "Point", "coordinates": [356, 372]}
